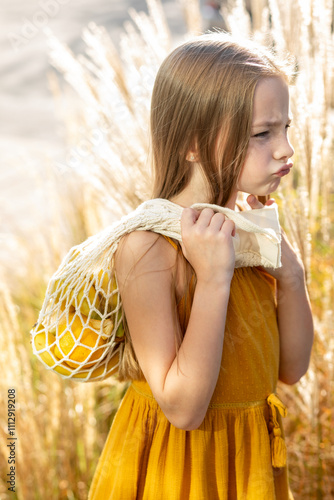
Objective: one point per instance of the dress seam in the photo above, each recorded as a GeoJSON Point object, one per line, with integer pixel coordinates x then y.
{"type": "Point", "coordinates": [238, 404]}
{"type": "Point", "coordinates": [243, 404]}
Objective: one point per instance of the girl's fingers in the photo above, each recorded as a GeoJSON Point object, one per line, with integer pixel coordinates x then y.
{"type": "Point", "coordinates": [254, 203]}
{"type": "Point", "coordinates": [228, 227]}
{"type": "Point", "coordinates": [189, 216]}
{"type": "Point", "coordinates": [205, 218]}
{"type": "Point", "coordinates": [270, 202]}
{"type": "Point", "coordinates": [217, 221]}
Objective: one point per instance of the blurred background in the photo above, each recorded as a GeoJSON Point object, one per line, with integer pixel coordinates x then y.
{"type": "Point", "coordinates": [75, 84]}
{"type": "Point", "coordinates": [31, 130]}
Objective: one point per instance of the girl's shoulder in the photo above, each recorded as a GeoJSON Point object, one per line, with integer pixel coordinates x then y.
{"type": "Point", "coordinates": [144, 251]}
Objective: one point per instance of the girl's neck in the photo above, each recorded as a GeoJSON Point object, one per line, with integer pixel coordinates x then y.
{"type": "Point", "coordinates": [197, 192]}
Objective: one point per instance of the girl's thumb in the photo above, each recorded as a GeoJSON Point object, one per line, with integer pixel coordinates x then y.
{"type": "Point", "coordinates": [253, 202]}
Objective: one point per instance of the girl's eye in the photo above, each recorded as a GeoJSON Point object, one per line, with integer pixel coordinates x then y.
{"type": "Point", "coordinates": [262, 134]}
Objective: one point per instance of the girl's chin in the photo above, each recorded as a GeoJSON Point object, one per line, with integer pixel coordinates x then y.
{"type": "Point", "coordinates": [268, 190]}
{"type": "Point", "coordinates": [260, 192]}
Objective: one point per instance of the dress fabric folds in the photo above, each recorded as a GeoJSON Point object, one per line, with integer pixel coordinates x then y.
{"type": "Point", "coordinates": [231, 455]}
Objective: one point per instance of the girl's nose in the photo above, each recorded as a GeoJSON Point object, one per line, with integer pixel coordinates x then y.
{"type": "Point", "coordinates": [284, 150]}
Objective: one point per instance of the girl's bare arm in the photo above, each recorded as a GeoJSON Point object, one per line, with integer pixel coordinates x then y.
{"type": "Point", "coordinates": [294, 318]}
{"type": "Point", "coordinates": [294, 315]}
{"type": "Point", "coordinates": [182, 385]}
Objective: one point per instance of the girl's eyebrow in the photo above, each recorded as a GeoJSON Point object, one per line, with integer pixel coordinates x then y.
{"type": "Point", "coordinates": [271, 123]}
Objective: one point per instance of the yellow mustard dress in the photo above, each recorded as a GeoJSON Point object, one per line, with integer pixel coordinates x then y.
{"type": "Point", "coordinates": [231, 455]}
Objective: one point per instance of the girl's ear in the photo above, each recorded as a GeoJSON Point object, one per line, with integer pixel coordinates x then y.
{"type": "Point", "coordinates": [191, 156]}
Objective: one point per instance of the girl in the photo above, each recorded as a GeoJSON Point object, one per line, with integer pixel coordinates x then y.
{"type": "Point", "coordinates": [207, 343]}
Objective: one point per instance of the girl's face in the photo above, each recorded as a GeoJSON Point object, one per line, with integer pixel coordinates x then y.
{"type": "Point", "coordinates": [269, 150]}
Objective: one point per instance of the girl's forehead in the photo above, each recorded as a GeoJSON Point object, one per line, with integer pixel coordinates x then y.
{"type": "Point", "coordinates": [271, 102]}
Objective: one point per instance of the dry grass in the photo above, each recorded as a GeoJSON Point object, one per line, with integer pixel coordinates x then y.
{"type": "Point", "coordinates": [61, 426]}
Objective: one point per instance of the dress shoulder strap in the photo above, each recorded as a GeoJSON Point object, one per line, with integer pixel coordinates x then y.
{"type": "Point", "coordinates": [171, 242]}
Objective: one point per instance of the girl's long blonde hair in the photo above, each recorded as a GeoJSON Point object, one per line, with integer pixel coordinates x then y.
{"type": "Point", "coordinates": [202, 99]}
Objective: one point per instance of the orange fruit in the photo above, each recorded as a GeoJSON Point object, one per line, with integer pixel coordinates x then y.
{"type": "Point", "coordinates": [40, 343]}
{"type": "Point", "coordinates": [89, 339]}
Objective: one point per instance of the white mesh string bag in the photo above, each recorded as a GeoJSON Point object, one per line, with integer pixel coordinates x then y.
{"type": "Point", "coordinates": [79, 332]}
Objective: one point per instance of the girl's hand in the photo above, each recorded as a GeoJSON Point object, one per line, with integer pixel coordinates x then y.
{"type": "Point", "coordinates": [207, 244]}
{"type": "Point", "coordinates": [292, 265]}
